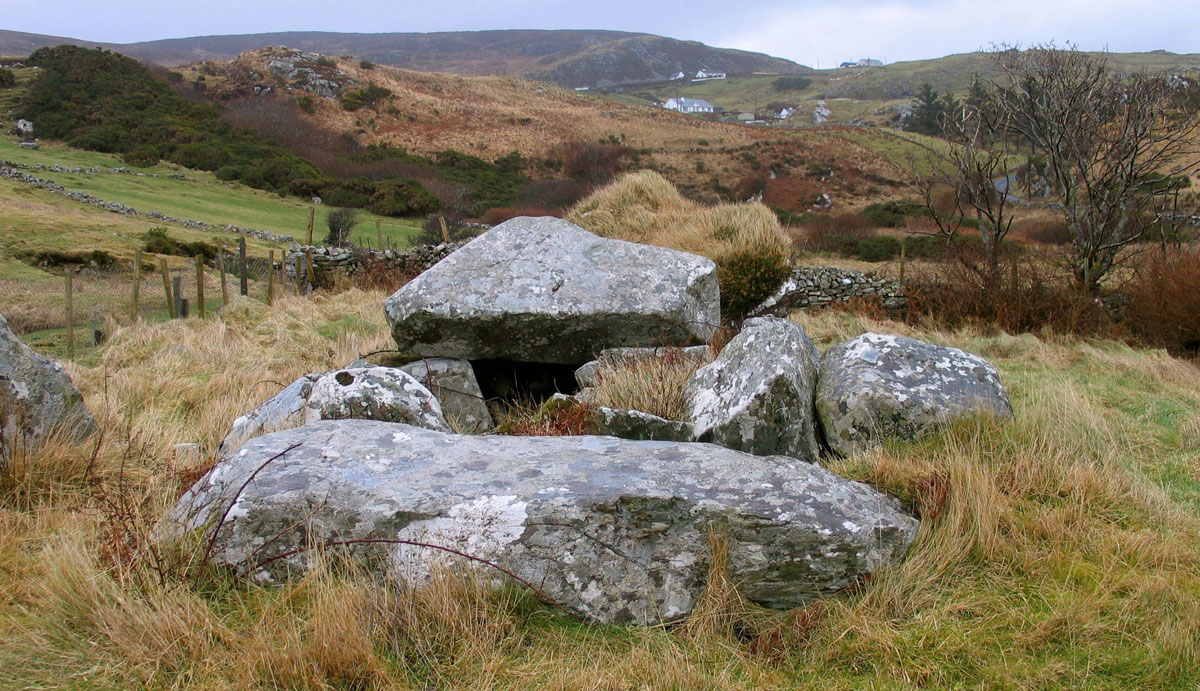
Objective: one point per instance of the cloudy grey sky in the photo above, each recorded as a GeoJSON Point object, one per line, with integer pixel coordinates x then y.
{"type": "Point", "coordinates": [809, 32]}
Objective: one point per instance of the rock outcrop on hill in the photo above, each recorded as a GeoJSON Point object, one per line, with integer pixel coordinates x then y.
{"type": "Point", "coordinates": [37, 398]}
{"type": "Point", "coordinates": [616, 531]}
{"type": "Point", "coordinates": [545, 290]}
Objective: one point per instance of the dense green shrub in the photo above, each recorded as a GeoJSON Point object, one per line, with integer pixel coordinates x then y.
{"type": "Point", "coordinates": [796, 83]}
{"type": "Point", "coordinates": [748, 278]}
{"type": "Point", "coordinates": [103, 101]}
{"type": "Point", "coordinates": [892, 214]}
{"type": "Point", "coordinates": [7, 78]}
{"type": "Point", "coordinates": [99, 259]}
{"type": "Point", "coordinates": [402, 198]}
{"type": "Point", "coordinates": [305, 103]}
{"type": "Point", "coordinates": [368, 97]}
{"type": "Point", "coordinates": [158, 242]}
{"type": "Point", "coordinates": [341, 222]}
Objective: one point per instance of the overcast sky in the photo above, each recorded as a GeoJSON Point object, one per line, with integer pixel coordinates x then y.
{"type": "Point", "coordinates": [810, 33]}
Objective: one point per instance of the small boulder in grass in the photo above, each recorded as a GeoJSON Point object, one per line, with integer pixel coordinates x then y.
{"type": "Point", "coordinates": [374, 393]}
{"type": "Point", "coordinates": [878, 387]}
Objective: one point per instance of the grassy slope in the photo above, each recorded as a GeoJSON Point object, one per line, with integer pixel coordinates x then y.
{"type": "Point", "coordinates": [202, 197]}
{"type": "Point", "coordinates": [1059, 550]}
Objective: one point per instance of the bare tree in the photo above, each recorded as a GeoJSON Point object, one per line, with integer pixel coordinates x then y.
{"type": "Point", "coordinates": [974, 167]}
{"type": "Point", "coordinates": [1118, 148]}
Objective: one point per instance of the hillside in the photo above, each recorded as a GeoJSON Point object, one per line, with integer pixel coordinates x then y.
{"type": "Point", "coordinates": [490, 117]}
{"type": "Point", "coordinates": [567, 57]}
{"type": "Point", "coordinates": [855, 94]}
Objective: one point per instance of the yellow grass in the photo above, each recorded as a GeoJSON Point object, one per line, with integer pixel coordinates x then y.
{"type": "Point", "coordinates": [644, 207]}
{"type": "Point", "coordinates": [1061, 549]}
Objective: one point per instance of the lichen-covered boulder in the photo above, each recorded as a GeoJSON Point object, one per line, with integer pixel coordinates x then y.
{"type": "Point", "coordinates": [453, 383]}
{"type": "Point", "coordinates": [615, 530]}
{"type": "Point", "coordinates": [374, 393]}
{"type": "Point", "coordinates": [546, 290]}
{"type": "Point", "coordinates": [634, 424]}
{"type": "Point", "coordinates": [757, 396]}
{"type": "Point", "coordinates": [586, 375]}
{"type": "Point", "coordinates": [36, 397]}
{"type": "Point", "coordinates": [878, 386]}
{"type": "Point", "coordinates": [284, 410]}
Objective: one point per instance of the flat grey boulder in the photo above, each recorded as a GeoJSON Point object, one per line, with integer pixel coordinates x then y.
{"type": "Point", "coordinates": [634, 424]}
{"type": "Point", "coordinates": [284, 410]}
{"type": "Point", "coordinates": [368, 392]}
{"type": "Point", "coordinates": [453, 383]}
{"type": "Point", "coordinates": [757, 396]}
{"type": "Point", "coordinates": [586, 375]}
{"type": "Point", "coordinates": [374, 393]}
{"type": "Point", "coordinates": [878, 387]}
{"type": "Point", "coordinates": [546, 290]}
{"type": "Point", "coordinates": [616, 531]}
{"type": "Point", "coordinates": [37, 397]}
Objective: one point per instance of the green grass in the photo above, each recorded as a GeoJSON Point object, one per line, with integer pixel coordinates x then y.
{"type": "Point", "coordinates": [201, 197]}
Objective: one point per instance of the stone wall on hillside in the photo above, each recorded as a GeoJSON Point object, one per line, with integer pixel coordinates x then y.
{"type": "Point", "coordinates": [818, 286]}
{"type": "Point", "coordinates": [13, 171]}
{"type": "Point", "coordinates": [347, 261]}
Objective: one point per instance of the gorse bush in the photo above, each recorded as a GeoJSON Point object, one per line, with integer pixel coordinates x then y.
{"type": "Point", "coordinates": [368, 97]}
{"type": "Point", "coordinates": [103, 101]}
{"type": "Point", "coordinates": [748, 278]}
{"type": "Point", "coordinates": [159, 242]}
{"type": "Point", "coordinates": [644, 207]}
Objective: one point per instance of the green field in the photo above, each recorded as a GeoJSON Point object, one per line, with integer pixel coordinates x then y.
{"type": "Point", "coordinates": [200, 197]}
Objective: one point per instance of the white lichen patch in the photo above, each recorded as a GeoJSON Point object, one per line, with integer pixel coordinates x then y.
{"type": "Point", "coordinates": [481, 527]}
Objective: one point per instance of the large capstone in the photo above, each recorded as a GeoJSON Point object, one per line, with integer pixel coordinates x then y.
{"type": "Point", "coordinates": [615, 530]}
{"type": "Point", "coordinates": [878, 387]}
{"type": "Point", "coordinates": [37, 398]}
{"type": "Point", "coordinates": [546, 290]}
{"type": "Point", "coordinates": [757, 396]}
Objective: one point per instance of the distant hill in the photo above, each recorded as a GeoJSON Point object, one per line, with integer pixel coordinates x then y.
{"type": "Point", "coordinates": [565, 57]}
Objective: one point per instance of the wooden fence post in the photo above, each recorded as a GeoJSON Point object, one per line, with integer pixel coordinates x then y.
{"type": "Point", "coordinates": [903, 260]}
{"type": "Point", "coordinates": [308, 274]}
{"type": "Point", "coordinates": [378, 234]}
{"type": "Point", "coordinates": [137, 285]}
{"type": "Point", "coordinates": [221, 264]}
{"type": "Point", "coordinates": [166, 276]}
{"type": "Point", "coordinates": [445, 232]}
{"type": "Point", "coordinates": [312, 212]}
{"type": "Point", "coordinates": [242, 269]}
{"type": "Point", "coordinates": [271, 277]}
{"type": "Point", "coordinates": [200, 285]}
{"type": "Point", "coordinates": [177, 293]}
{"type": "Point", "coordinates": [70, 315]}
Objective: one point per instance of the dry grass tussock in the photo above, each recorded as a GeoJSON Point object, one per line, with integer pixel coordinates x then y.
{"type": "Point", "coordinates": [652, 385]}
{"type": "Point", "coordinates": [644, 207]}
{"type": "Point", "coordinates": [1061, 549]}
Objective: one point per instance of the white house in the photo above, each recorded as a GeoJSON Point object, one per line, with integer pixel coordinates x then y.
{"type": "Point", "coordinates": [677, 76]}
{"type": "Point", "coordinates": [869, 62]}
{"type": "Point", "coordinates": [704, 74]}
{"type": "Point", "coordinates": [688, 105]}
